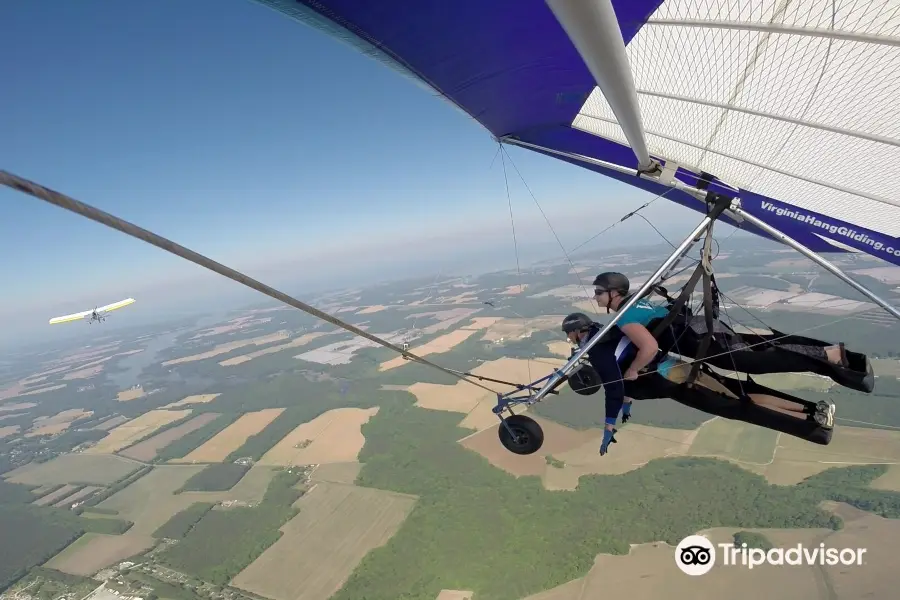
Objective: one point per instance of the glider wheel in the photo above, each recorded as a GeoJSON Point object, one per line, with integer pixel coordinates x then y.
{"type": "Point", "coordinates": [527, 437]}
{"type": "Point", "coordinates": [584, 381]}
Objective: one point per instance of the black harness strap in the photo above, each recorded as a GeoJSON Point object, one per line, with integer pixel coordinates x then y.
{"type": "Point", "coordinates": [677, 307]}
{"type": "Point", "coordinates": [707, 336]}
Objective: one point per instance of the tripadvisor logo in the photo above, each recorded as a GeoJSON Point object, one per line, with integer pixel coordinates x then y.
{"type": "Point", "coordinates": [696, 555]}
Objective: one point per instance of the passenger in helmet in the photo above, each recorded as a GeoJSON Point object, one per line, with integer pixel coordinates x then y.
{"type": "Point", "coordinates": [579, 328]}
{"type": "Point", "coordinates": [631, 346]}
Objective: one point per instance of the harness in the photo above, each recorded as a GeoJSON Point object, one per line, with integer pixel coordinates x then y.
{"type": "Point", "coordinates": [679, 313]}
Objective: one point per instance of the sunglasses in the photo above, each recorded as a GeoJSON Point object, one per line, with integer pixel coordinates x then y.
{"type": "Point", "coordinates": [598, 291]}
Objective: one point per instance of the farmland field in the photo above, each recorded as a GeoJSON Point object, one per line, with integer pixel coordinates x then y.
{"type": "Point", "coordinates": [74, 468]}
{"type": "Point", "coordinates": [321, 546]}
{"type": "Point", "coordinates": [53, 497]}
{"type": "Point", "coordinates": [890, 481]}
{"type": "Point", "coordinates": [345, 472]}
{"type": "Point", "coordinates": [126, 434]}
{"type": "Point", "coordinates": [557, 439]}
{"type": "Point", "coordinates": [111, 422]}
{"type": "Point", "coordinates": [13, 407]}
{"type": "Point", "coordinates": [638, 445]}
{"type": "Point", "coordinates": [130, 394]}
{"type": "Point", "coordinates": [197, 399]}
{"type": "Point", "coordinates": [150, 503]}
{"type": "Point", "coordinates": [795, 459]}
{"type": "Point", "coordinates": [439, 345]}
{"type": "Point", "coordinates": [295, 343]}
{"type": "Point", "coordinates": [94, 551]}
{"type": "Point", "coordinates": [331, 437]}
{"type": "Point", "coordinates": [649, 568]}
{"type": "Point", "coordinates": [232, 437]}
{"type": "Point", "coordinates": [57, 423]}
{"type": "Point", "coordinates": [79, 495]}
{"type": "Point", "coordinates": [228, 347]}
{"type": "Point", "coordinates": [735, 440]}
{"type": "Point", "coordinates": [477, 405]}
{"type": "Point", "coordinates": [148, 449]}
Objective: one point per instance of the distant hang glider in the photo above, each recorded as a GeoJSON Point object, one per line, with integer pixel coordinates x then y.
{"type": "Point", "coordinates": [98, 314]}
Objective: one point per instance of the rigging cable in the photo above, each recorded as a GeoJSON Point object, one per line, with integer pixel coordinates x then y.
{"type": "Point", "coordinates": [624, 218]}
{"type": "Point", "coordinates": [571, 264]}
{"type": "Point", "coordinates": [515, 241]}
{"type": "Point", "coordinates": [95, 214]}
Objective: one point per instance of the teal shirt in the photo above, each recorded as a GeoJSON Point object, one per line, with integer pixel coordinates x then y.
{"type": "Point", "coordinates": [643, 312]}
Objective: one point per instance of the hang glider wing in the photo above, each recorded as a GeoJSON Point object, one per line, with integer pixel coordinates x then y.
{"type": "Point", "coordinates": [116, 305]}
{"type": "Point", "coordinates": [793, 104]}
{"type": "Point", "coordinates": [87, 313]}
{"type": "Point", "coordinates": [68, 318]}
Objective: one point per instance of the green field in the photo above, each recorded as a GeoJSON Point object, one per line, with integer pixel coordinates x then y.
{"type": "Point", "coordinates": [735, 440]}
{"type": "Point", "coordinates": [217, 477]}
{"type": "Point", "coordinates": [224, 542]}
{"type": "Point", "coordinates": [455, 538]}
{"type": "Point", "coordinates": [180, 524]}
{"type": "Point", "coordinates": [98, 469]}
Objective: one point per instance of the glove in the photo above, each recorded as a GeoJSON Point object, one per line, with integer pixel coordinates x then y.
{"type": "Point", "coordinates": [608, 436]}
{"type": "Point", "coordinates": [626, 412]}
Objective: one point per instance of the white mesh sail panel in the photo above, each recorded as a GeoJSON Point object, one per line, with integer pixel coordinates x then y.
{"type": "Point", "coordinates": [798, 100]}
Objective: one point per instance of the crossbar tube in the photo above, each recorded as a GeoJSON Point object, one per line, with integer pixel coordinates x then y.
{"type": "Point", "coordinates": [826, 264]}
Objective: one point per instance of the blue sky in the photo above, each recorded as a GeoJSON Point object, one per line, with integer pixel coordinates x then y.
{"type": "Point", "coordinates": [248, 137]}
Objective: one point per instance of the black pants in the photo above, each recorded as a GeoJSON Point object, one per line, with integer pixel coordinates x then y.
{"type": "Point", "coordinates": [758, 354]}
{"type": "Point", "coordinates": [740, 408]}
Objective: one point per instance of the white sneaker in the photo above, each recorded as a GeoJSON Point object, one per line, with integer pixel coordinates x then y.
{"type": "Point", "coordinates": [825, 414]}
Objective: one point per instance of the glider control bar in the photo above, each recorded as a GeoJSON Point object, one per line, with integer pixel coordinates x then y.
{"type": "Point", "coordinates": [95, 214]}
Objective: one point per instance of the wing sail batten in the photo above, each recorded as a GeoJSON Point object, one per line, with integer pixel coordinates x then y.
{"type": "Point", "coordinates": [800, 122]}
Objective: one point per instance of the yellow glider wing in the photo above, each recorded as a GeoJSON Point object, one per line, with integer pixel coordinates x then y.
{"type": "Point", "coordinates": [87, 313]}
{"type": "Point", "coordinates": [116, 305]}
{"type": "Point", "coordinates": [72, 317]}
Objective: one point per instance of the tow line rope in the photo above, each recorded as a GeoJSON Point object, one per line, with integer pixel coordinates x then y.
{"type": "Point", "coordinates": [95, 214]}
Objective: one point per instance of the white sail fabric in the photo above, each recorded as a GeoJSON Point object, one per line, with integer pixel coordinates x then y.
{"type": "Point", "coordinates": [797, 100]}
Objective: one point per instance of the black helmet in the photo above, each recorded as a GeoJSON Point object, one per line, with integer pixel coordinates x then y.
{"type": "Point", "coordinates": [576, 322]}
{"type": "Point", "coordinates": [612, 281]}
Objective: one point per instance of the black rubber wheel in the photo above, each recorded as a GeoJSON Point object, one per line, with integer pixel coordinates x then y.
{"type": "Point", "coordinates": [584, 381]}
{"type": "Point", "coordinates": [529, 437]}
